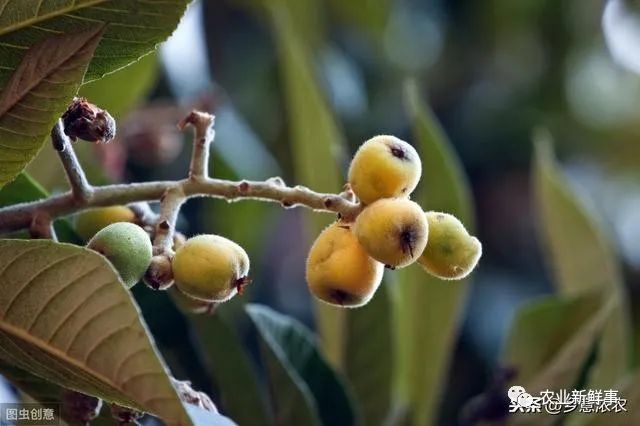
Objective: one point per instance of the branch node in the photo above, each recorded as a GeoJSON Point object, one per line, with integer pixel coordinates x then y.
{"type": "Point", "coordinates": [243, 187]}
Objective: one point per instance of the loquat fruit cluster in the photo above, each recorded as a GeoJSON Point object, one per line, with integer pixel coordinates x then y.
{"type": "Point", "coordinates": [345, 263]}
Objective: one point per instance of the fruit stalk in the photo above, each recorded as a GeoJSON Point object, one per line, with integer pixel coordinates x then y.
{"type": "Point", "coordinates": [80, 187]}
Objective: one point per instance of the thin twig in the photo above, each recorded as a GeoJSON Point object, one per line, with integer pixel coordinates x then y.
{"type": "Point", "coordinates": [80, 187]}
{"type": "Point", "coordinates": [170, 204]}
{"type": "Point", "coordinates": [19, 216]}
{"type": "Point", "coordinates": [204, 133]}
{"type": "Point", "coordinates": [172, 194]}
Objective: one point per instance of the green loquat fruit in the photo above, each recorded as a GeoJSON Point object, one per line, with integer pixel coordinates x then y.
{"type": "Point", "coordinates": [339, 271]}
{"type": "Point", "coordinates": [393, 231]}
{"type": "Point", "coordinates": [451, 253]}
{"type": "Point", "coordinates": [210, 268]}
{"type": "Point", "coordinates": [384, 167]}
{"type": "Point", "coordinates": [128, 248]}
{"type": "Point", "coordinates": [91, 221]}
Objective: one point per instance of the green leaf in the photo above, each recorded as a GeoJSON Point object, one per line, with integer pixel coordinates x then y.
{"type": "Point", "coordinates": [541, 327]}
{"type": "Point", "coordinates": [132, 28]}
{"type": "Point", "coordinates": [66, 317]}
{"type": "Point", "coordinates": [315, 138]}
{"type": "Point", "coordinates": [295, 349]}
{"type": "Point", "coordinates": [369, 15]}
{"type": "Point", "coordinates": [37, 93]}
{"type": "Point", "coordinates": [121, 91]}
{"type": "Point", "coordinates": [576, 249]}
{"type": "Point", "coordinates": [563, 369]}
{"type": "Point", "coordinates": [425, 336]}
{"type": "Point", "coordinates": [233, 373]}
{"type": "Point", "coordinates": [581, 259]}
{"type": "Point", "coordinates": [24, 189]}
{"type": "Point", "coordinates": [21, 190]}
{"type": "Point", "coordinates": [369, 356]}
{"type": "Point", "coordinates": [46, 48]}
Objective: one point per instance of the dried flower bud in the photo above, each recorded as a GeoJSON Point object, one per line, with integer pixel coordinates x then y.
{"type": "Point", "coordinates": [86, 121]}
{"type": "Point", "coordinates": [124, 416]}
{"type": "Point", "coordinates": [159, 275]}
{"type": "Point", "coordinates": [79, 407]}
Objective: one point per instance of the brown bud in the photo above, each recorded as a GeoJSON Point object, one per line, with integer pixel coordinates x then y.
{"type": "Point", "coordinates": [79, 407]}
{"type": "Point", "coordinates": [159, 275]}
{"type": "Point", "coordinates": [124, 416]}
{"type": "Point", "coordinates": [86, 121]}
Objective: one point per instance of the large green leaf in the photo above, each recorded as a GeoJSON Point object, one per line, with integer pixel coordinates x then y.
{"type": "Point", "coordinates": [427, 310]}
{"type": "Point", "coordinates": [295, 349]}
{"type": "Point", "coordinates": [369, 356]}
{"type": "Point", "coordinates": [315, 138]}
{"type": "Point", "coordinates": [119, 92]}
{"type": "Point", "coordinates": [233, 373]}
{"type": "Point", "coordinates": [541, 327]}
{"type": "Point", "coordinates": [581, 259]}
{"type": "Point", "coordinates": [37, 93]}
{"type": "Point", "coordinates": [562, 370]}
{"type": "Point", "coordinates": [132, 28]}
{"type": "Point", "coordinates": [45, 50]}
{"type": "Point", "coordinates": [66, 317]}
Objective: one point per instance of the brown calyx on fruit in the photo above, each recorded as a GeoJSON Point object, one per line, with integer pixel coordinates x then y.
{"type": "Point", "coordinates": [399, 152]}
{"type": "Point", "coordinates": [241, 283]}
{"type": "Point", "coordinates": [86, 121]}
{"type": "Point", "coordinates": [408, 238]}
{"type": "Point", "coordinates": [341, 297]}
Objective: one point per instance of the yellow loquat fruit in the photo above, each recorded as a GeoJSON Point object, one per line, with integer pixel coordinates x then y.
{"type": "Point", "coordinates": [339, 271]}
{"type": "Point", "coordinates": [91, 221]}
{"type": "Point", "coordinates": [210, 268]}
{"type": "Point", "coordinates": [393, 231]}
{"type": "Point", "coordinates": [384, 167]}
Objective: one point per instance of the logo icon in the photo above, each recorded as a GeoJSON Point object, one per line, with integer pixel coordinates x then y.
{"type": "Point", "coordinates": [519, 397]}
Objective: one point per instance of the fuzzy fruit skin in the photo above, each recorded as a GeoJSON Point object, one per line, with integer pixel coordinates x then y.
{"type": "Point", "coordinates": [128, 248]}
{"type": "Point", "coordinates": [189, 305]}
{"type": "Point", "coordinates": [339, 271]}
{"type": "Point", "coordinates": [384, 167]}
{"type": "Point", "coordinates": [89, 222]}
{"type": "Point", "coordinates": [393, 231]}
{"type": "Point", "coordinates": [209, 267]}
{"type": "Point", "coordinates": [451, 253]}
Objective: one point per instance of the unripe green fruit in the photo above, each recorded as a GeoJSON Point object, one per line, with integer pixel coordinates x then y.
{"type": "Point", "coordinates": [393, 231]}
{"type": "Point", "coordinates": [451, 253]}
{"type": "Point", "coordinates": [210, 268]}
{"type": "Point", "coordinates": [91, 221]}
{"type": "Point", "coordinates": [384, 167]}
{"type": "Point", "coordinates": [128, 248]}
{"type": "Point", "coordinates": [339, 271]}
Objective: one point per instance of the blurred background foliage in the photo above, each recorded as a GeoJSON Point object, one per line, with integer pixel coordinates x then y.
{"type": "Point", "coordinates": [296, 86]}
